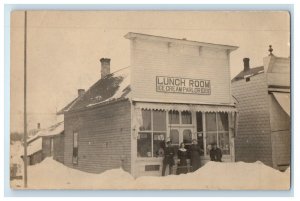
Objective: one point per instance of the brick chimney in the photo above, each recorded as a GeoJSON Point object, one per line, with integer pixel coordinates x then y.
{"type": "Point", "coordinates": [81, 92]}
{"type": "Point", "coordinates": [246, 64]}
{"type": "Point", "coordinates": [105, 67]}
{"type": "Point", "coordinates": [38, 126]}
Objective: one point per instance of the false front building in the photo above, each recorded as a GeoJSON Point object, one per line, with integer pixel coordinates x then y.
{"type": "Point", "coordinates": [173, 89]}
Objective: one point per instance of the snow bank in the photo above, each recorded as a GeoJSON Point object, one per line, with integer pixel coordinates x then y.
{"type": "Point", "coordinates": [52, 175]}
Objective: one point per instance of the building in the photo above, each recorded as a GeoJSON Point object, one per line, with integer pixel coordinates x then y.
{"type": "Point", "coordinates": [173, 89]}
{"type": "Point", "coordinates": [263, 101]}
{"type": "Point", "coordinates": [47, 142]}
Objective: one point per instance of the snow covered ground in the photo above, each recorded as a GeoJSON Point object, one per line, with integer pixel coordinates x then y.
{"type": "Point", "coordinates": [50, 174]}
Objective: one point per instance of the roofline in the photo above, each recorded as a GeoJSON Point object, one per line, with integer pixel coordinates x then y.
{"type": "Point", "coordinates": [132, 35]}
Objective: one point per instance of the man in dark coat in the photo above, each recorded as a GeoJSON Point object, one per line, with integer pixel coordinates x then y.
{"type": "Point", "coordinates": [195, 152]}
{"type": "Point", "coordinates": [168, 159]}
{"type": "Point", "coordinates": [215, 153]}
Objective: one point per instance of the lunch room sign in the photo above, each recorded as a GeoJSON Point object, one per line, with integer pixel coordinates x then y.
{"type": "Point", "coordinates": [182, 85]}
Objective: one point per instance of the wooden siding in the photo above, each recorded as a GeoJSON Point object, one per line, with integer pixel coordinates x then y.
{"type": "Point", "coordinates": [281, 136]}
{"type": "Point", "coordinates": [58, 148]}
{"type": "Point", "coordinates": [104, 137]}
{"type": "Point", "coordinates": [152, 58]}
{"type": "Point", "coordinates": [253, 140]}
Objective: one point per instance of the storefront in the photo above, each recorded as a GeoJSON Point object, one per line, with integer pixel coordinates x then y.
{"type": "Point", "coordinates": [174, 89]}
{"type": "Point", "coordinates": [183, 95]}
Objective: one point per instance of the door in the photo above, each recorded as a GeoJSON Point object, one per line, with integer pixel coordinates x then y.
{"type": "Point", "coordinates": [181, 134]}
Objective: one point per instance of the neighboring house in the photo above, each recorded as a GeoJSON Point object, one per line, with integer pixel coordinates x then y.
{"type": "Point", "coordinates": [46, 142]}
{"type": "Point", "coordinates": [174, 89]}
{"type": "Point", "coordinates": [263, 102]}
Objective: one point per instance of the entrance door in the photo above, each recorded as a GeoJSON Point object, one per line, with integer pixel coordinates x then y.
{"type": "Point", "coordinates": [181, 134]}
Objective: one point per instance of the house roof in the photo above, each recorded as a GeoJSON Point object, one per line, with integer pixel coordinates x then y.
{"type": "Point", "coordinates": [34, 146]}
{"type": "Point", "coordinates": [114, 86]}
{"type": "Point", "coordinates": [251, 72]}
{"type": "Point", "coordinates": [55, 129]}
{"type": "Point", "coordinates": [132, 35]}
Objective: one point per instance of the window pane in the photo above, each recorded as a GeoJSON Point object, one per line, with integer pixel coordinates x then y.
{"type": "Point", "coordinates": [146, 116]}
{"type": "Point", "coordinates": [222, 121]}
{"type": "Point", "coordinates": [211, 122]}
{"type": "Point", "coordinates": [158, 144]}
{"type": "Point", "coordinates": [186, 117]}
{"type": "Point", "coordinates": [199, 122]}
{"type": "Point", "coordinates": [173, 117]}
{"type": "Point", "coordinates": [210, 138]}
{"type": "Point", "coordinates": [187, 136]}
{"type": "Point", "coordinates": [174, 136]}
{"type": "Point", "coordinates": [159, 121]}
{"type": "Point", "coordinates": [224, 142]}
{"type": "Point", "coordinates": [144, 145]}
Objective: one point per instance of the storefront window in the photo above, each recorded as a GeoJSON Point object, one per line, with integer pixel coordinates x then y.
{"type": "Point", "coordinates": [146, 117]}
{"type": "Point", "coordinates": [173, 117]}
{"type": "Point", "coordinates": [144, 145]}
{"type": "Point", "coordinates": [217, 131]}
{"type": "Point", "coordinates": [159, 121]}
{"type": "Point", "coordinates": [186, 117]}
{"type": "Point", "coordinates": [211, 122]}
{"type": "Point", "coordinates": [152, 133]}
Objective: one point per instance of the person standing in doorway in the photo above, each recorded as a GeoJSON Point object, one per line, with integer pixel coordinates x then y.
{"type": "Point", "coordinates": [182, 156]}
{"type": "Point", "coordinates": [195, 152]}
{"type": "Point", "coordinates": [215, 153]}
{"type": "Point", "coordinates": [168, 158]}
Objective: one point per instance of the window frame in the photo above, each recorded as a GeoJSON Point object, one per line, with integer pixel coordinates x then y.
{"type": "Point", "coordinates": [75, 162]}
{"type": "Point", "coordinates": [152, 132]}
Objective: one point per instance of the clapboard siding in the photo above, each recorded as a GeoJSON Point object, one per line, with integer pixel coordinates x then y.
{"type": "Point", "coordinates": [253, 140]}
{"type": "Point", "coordinates": [104, 139]}
{"type": "Point", "coordinates": [58, 148]}
{"type": "Point", "coordinates": [177, 60]}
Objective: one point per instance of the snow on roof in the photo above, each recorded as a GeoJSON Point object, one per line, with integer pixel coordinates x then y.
{"type": "Point", "coordinates": [34, 146]}
{"type": "Point", "coordinates": [213, 175]}
{"type": "Point", "coordinates": [246, 74]}
{"type": "Point", "coordinates": [56, 129]}
{"type": "Point", "coordinates": [114, 86]}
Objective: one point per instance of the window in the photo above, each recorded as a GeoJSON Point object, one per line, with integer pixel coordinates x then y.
{"type": "Point", "coordinates": [217, 131]}
{"type": "Point", "coordinates": [174, 137]}
{"type": "Point", "coordinates": [152, 133]}
{"type": "Point", "coordinates": [75, 148]}
{"type": "Point", "coordinates": [187, 136]}
{"type": "Point", "coordinates": [186, 117]}
{"type": "Point", "coordinates": [173, 117]}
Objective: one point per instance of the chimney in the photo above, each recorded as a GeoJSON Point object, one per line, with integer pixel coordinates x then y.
{"type": "Point", "coordinates": [246, 64]}
{"type": "Point", "coordinates": [81, 92]}
{"type": "Point", "coordinates": [105, 67]}
{"type": "Point", "coordinates": [38, 126]}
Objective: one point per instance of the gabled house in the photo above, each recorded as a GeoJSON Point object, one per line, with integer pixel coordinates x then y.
{"type": "Point", "coordinates": [173, 89]}
{"type": "Point", "coordinates": [263, 102]}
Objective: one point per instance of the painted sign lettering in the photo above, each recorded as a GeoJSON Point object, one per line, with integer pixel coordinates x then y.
{"type": "Point", "coordinates": [182, 85]}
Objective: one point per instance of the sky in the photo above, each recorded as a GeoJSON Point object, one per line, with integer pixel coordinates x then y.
{"type": "Point", "coordinates": [64, 49]}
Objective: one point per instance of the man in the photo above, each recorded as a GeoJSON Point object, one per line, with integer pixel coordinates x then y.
{"type": "Point", "coordinates": [215, 153]}
{"type": "Point", "coordinates": [168, 159]}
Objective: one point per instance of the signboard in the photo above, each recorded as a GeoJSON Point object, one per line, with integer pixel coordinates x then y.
{"type": "Point", "coordinates": [182, 85]}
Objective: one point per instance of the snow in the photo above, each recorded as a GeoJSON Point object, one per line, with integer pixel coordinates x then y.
{"type": "Point", "coordinates": [53, 175]}
{"type": "Point", "coordinates": [56, 129]}
{"type": "Point", "coordinates": [34, 146]}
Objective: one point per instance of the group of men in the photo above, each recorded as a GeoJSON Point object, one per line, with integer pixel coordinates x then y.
{"type": "Point", "coordinates": [194, 154]}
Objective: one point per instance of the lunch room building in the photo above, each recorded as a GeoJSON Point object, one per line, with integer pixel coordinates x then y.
{"type": "Point", "coordinates": [174, 89]}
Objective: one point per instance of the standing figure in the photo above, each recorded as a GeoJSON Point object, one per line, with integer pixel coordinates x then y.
{"type": "Point", "coordinates": [168, 158]}
{"type": "Point", "coordinates": [215, 153]}
{"type": "Point", "coordinates": [182, 156]}
{"type": "Point", "coordinates": [195, 152]}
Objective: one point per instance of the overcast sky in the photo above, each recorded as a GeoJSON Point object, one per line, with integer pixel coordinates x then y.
{"type": "Point", "coordinates": [64, 48]}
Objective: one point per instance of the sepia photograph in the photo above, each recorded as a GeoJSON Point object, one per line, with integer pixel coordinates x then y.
{"type": "Point", "coordinates": [150, 100]}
